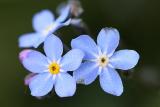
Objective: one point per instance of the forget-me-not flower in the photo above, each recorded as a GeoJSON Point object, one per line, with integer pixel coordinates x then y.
{"type": "Point", "coordinates": [51, 70]}
{"type": "Point", "coordinates": [44, 24]}
{"type": "Point", "coordinates": [102, 60]}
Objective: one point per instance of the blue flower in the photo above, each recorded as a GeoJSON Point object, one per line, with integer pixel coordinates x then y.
{"type": "Point", "coordinates": [44, 25]}
{"type": "Point", "coordinates": [102, 60]}
{"type": "Point", "coordinates": [75, 5]}
{"type": "Point", "coordinates": [51, 71]}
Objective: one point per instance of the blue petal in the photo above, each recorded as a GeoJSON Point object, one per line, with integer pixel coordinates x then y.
{"type": "Point", "coordinates": [65, 85]}
{"type": "Point", "coordinates": [124, 59]}
{"type": "Point", "coordinates": [61, 7]}
{"type": "Point", "coordinates": [42, 20]}
{"type": "Point", "coordinates": [31, 40]}
{"type": "Point", "coordinates": [41, 84]}
{"type": "Point", "coordinates": [72, 60]}
{"type": "Point", "coordinates": [108, 40]}
{"type": "Point", "coordinates": [86, 73]}
{"type": "Point", "coordinates": [66, 23]}
{"type": "Point", "coordinates": [35, 62]}
{"type": "Point", "coordinates": [111, 82]}
{"type": "Point", "coordinates": [57, 25]}
{"type": "Point", "coordinates": [23, 54]}
{"type": "Point", "coordinates": [65, 15]}
{"type": "Point", "coordinates": [87, 45]}
{"type": "Point", "coordinates": [53, 47]}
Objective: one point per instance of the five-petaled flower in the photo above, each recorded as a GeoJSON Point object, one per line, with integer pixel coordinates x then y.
{"type": "Point", "coordinates": [51, 71]}
{"type": "Point", "coordinates": [102, 60]}
{"type": "Point", "coordinates": [44, 24]}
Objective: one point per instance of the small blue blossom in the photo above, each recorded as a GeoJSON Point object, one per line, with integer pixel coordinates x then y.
{"type": "Point", "coordinates": [102, 60]}
{"type": "Point", "coordinates": [44, 24]}
{"type": "Point", "coordinates": [51, 70]}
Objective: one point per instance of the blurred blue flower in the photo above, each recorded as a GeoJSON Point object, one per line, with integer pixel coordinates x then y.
{"type": "Point", "coordinates": [75, 5]}
{"type": "Point", "coordinates": [102, 60]}
{"type": "Point", "coordinates": [44, 24]}
{"type": "Point", "coordinates": [51, 71]}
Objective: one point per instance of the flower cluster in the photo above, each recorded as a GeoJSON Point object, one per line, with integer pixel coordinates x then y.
{"type": "Point", "coordinates": [87, 60]}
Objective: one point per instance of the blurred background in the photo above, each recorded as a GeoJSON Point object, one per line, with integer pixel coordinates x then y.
{"type": "Point", "coordinates": [138, 22]}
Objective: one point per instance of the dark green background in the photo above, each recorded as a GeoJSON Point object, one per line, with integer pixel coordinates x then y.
{"type": "Point", "coordinates": [139, 24]}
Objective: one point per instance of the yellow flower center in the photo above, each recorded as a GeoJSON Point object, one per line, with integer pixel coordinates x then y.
{"type": "Point", "coordinates": [48, 28]}
{"type": "Point", "coordinates": [54, 68]}
{"type": "Point", "coordinates": [103, 61]}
